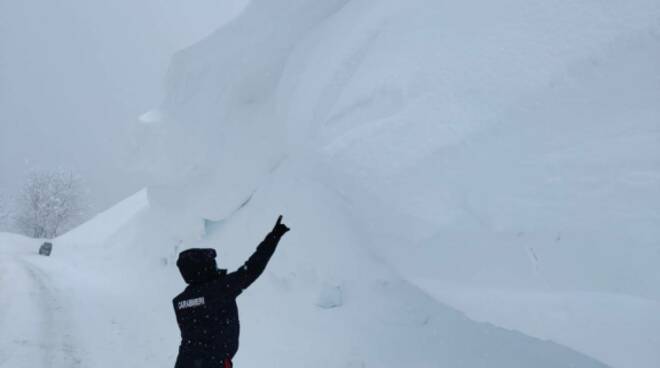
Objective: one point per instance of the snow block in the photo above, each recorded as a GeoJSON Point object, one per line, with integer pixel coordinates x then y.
{"type": "Point", "coordinates": [331, 296]}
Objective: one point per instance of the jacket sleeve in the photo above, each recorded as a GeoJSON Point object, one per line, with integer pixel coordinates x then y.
{"type": "Point", "coordinates": [240, 279]}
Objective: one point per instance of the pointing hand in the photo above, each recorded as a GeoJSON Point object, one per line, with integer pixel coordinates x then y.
{"type": "Point", "coordinates": [280, 229]}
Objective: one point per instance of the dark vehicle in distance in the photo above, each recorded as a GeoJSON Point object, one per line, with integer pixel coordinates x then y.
{"type": "Point", "coordinates": [46, 248]}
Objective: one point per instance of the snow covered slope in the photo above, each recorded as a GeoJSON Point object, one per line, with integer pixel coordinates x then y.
{"type": "Point", "coordinates": [377, 318]}
{"type": "Point", "coordinates": [619, 329]}
{"type": "Point", "coordinates": [524, 128]}
{"type": "Point", "coordinates": [501, 146]}
{"type": "Point", "coordinates": [515, 146]}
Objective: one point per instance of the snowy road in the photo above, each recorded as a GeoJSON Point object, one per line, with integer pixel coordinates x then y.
{"type": "Point", "coordinates": [55, 316]}
{"type": "Point", "coordinates": [38, 329]}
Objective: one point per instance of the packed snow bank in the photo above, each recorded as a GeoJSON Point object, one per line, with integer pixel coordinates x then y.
{"type": "Point", "coordinates": [506, 147]}
{"type": "Point", "coordinates": [493, 132]}
{"type": "Point", "coordinates": [621, 330]}
{"type": "Point", "coordinates": [100, 230]}
{"type": "Point", "coordinates": [382, 320]}
{"type": "Point", "coordinates": [563, 194]}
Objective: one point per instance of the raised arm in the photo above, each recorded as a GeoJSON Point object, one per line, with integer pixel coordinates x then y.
{"type": "Point", "coordinates": [255, 265]}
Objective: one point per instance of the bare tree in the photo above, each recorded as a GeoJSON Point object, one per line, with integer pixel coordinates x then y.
{"type": "Point", "coordinates": [49, 203]}
{"type": "Point", "coordinates": [4, 213]}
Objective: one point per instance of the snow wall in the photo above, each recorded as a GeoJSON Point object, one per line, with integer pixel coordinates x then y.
{"type": "Point", "coordinates": [510, 145]}
{"type": "Point", "coordinates": [516, 143]}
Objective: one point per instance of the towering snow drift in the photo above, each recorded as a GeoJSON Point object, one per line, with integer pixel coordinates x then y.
{"type": "Point", "coordinates": [382, 320]}
{"type": "Point", "coordinates": [526, 131]}
{"type": "Point", "coordinates": [514, 146]}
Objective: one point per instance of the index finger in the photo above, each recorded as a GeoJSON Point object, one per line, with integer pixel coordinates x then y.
{"type": "Point", "coordinates": [279, 220]}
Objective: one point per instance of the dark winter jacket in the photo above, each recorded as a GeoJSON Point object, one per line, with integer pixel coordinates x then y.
{"type": "Point", "coordinates": [206, 310]}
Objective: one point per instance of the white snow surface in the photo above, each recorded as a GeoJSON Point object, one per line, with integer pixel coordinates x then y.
{"type": "Point", "coordinates": [469, 184]}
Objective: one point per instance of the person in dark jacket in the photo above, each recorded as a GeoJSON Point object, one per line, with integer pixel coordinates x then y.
{"type": "Point", "coordinates": [206, 310]}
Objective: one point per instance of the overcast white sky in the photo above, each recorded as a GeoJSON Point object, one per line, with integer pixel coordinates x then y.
{"type": "Point", "coordinates": [76, 74]}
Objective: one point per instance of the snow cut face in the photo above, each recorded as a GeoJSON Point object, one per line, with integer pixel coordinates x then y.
{"type": "Point", "coordinates": [492, 148]}
{"type": "Point", "coordinates": [219, 131]}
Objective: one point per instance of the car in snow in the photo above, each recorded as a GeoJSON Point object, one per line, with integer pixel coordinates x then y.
{"type": "Point", "coordinates": [46, 248]}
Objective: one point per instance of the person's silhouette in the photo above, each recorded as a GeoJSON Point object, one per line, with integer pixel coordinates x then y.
{"type": "Point", "coordinates": [206, 310]}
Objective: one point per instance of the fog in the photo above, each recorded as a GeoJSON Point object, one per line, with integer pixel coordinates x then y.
{"type": "Point", "coordinates": [76, 74]}
{"type": "Point", "coordinates": [467, 184]}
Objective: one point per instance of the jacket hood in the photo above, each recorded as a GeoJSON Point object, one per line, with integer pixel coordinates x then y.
{"type": "Point", "coordinates": [198, 265]}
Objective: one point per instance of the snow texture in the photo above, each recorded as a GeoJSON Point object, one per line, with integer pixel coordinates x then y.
{"type": "Point", "coordinates": [481, 179]}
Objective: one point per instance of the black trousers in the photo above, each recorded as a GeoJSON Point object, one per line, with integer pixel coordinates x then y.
{"type": "Point", "coordinates": [188, 362]}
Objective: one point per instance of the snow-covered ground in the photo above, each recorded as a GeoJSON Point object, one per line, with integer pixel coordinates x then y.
{"type": "Point", "coordinates": [468, 185]}
{"type": "Point", "coordinates": [111, 311]}
{"type": "Point", "coordinates": [621, 330]}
